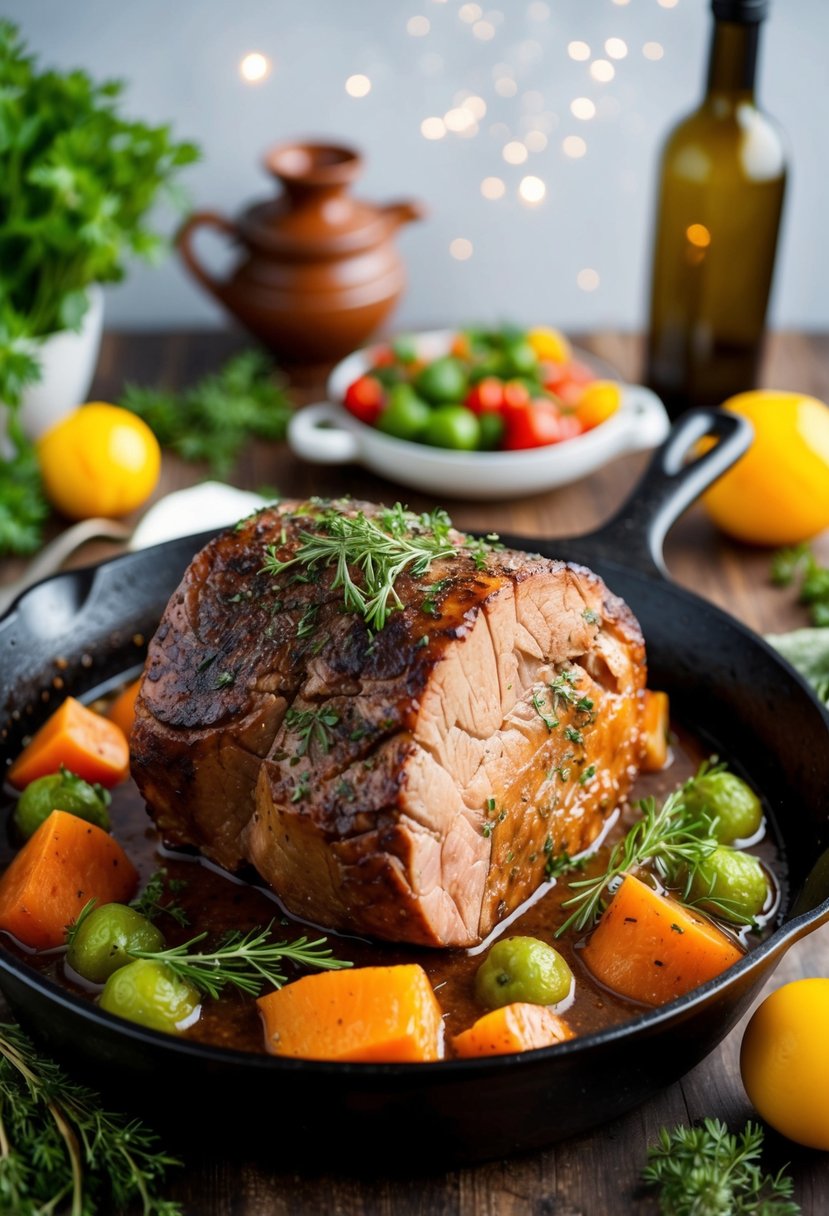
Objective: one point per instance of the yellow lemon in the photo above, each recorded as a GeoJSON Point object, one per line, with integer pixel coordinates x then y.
{"type": "Point", "coordinates": [101, 460]}
{"type": "Point", "coordinates": [778, 493]}
{"type": "Point", "coordinates": [784, 1061]}
{"type": "Point", "coordinates": [550, 345]}
{"type": "Point", "coordinates": [599, 401]}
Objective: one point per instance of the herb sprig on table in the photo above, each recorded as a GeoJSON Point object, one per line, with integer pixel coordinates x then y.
{"type": "Point", "coordinates": [806, 649]}
{"type": "Point", "coordinates": [60, 1151]}
{"type": "Point", "coordinates": [212, 420]}
{"type": "Point", "coordinates": [708, 1171]}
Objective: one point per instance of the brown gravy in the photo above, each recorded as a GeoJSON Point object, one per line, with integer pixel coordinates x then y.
{"type": "Point", "coordinates": [216, 902]}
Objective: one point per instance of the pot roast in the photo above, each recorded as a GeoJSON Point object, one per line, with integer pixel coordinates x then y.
{"type": "Point", "coordinates": [410, 768]}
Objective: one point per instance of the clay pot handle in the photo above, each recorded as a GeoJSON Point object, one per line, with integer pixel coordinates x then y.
{"type": "Point", "coordinates": [184, 243]}
{"type": "Point", "coordinates": [404, 211]}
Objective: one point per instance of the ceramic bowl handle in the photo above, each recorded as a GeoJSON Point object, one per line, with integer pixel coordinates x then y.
{"type": "Point", "coordinates": [184, 243]}
{"type": "Point", "coordinates": [314, 434]}
{"type": "Point", "coordinates": [404, 211]}
{"type": "Point", "coordinates": [648, 422]}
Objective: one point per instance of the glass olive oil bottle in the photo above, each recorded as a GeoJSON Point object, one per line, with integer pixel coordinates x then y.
{"type": "Point", "coordinates": [723, 175]}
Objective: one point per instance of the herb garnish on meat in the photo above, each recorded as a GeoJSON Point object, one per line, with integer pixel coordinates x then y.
{"type": "Point", "coordinates": [381, 548]}
{"type": "Point", "coordinates": [312, 726]}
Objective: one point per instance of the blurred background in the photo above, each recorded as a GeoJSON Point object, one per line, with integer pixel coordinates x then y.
{"type": "Point", "coordinates": [530, 130]}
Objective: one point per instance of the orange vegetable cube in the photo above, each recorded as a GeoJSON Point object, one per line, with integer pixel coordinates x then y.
{"type": "Point", "coordinates": [122, 709]}
{"type": "Point", "coordinates": [87, 743]}
{"type": "Point", "coordinates": [63, 865]}
{"type": "Point", "coordinates": [651, 948]}
{"type": "Point", "coordinates": [655, 723]}
{"type": "Point", "coordinates": [368, 1014]}
{"type": "Point", "coordinates": [516, 1027]}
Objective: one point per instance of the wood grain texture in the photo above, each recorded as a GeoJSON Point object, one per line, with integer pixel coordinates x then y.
{"type": "Point", "coordinates": [591, 1175]}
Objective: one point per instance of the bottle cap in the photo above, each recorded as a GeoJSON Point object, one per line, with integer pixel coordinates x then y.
{"type": "Point", "coordinates": [742, 12]}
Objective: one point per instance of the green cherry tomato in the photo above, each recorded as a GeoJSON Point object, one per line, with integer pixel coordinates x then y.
{"type": "Point", "coordinates": [736, 806]}
{"type": "Point", "coordinates": [405, 416]}
{"type": "Point", "coordinates": [405, 348]}
{"type": "Point", "coordinates": [521, 357]}
{"type": "Point", "coordinates": [61, 791]}
{"type": "Point", "coordinates": [453, 426]}
{"type": "Point", "coordinates": [733, 879]}
{"type": "Point", "coordinates": [148, 992]}
{"type": "Point", "coordinates": [492, 430]}
{"type": "Point", "coordinates": [103, 941]}
{"type": "Point", "coordinates": [442, 380]}
{"type": "Point", "coordinates": [522, 969]}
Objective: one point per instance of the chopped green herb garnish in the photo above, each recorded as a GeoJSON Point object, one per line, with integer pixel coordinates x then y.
{"type": "Point", "coordinates": [225, 679]}
{"type": "Point", "coordinates": [312, 726]}
{"type": "Point", "coordinates": [152, 903]}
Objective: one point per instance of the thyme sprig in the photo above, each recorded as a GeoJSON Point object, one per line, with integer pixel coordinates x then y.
{"type": "Point", "coordinates": [380, 548]}
{"type": "Point", "coordinates": [706, 1171]}
{"type": "Point", "coordinates": [312, 726]}
{"type": "Point", "coordinates": [152, 903]}
{"type": "Point", "coordinates": [61, 1152]}
{"type": "Point", "coordinates": [247, 961]}
{"type": "Point", "coordinates": [673, 840]}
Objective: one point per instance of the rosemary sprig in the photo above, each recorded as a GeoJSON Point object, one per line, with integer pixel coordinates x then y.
{"type": "Point", "coordinates": [706, 1171]}
{"type": "Point", "coordinates": [381, 548]}
{"type": "Point", "coordinates": [673, 840]}
{"type": "Point", "coordinates": [246, 961]}
{"type": "Point", "coordinates": [312, 726]}
{"type": "Point", "coordinates": [61, 1152]}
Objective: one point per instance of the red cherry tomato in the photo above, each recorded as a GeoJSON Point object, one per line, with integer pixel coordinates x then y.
{"type": "Point", "coordinates": [486, 397]}
{"type": "Point", "coordinates": [365, 398]}
{"type": "Point", "coordinates": [539, 423]}
{"type": "Point", "coordinates": [567, 381]}
{"type": "Point", "coordinates": [516, 396]}
{"type": "Point", "coordinates": [383, 356]}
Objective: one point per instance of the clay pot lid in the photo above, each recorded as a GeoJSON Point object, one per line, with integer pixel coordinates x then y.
{"type": "Point", "coordinates": [314, 216]}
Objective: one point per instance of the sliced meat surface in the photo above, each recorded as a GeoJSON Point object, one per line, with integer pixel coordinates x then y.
{"type": "Point", "coordinates": [415, 784]}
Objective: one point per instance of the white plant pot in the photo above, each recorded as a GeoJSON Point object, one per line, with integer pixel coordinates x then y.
{"type": "Point", "coordinates": [67, 361]}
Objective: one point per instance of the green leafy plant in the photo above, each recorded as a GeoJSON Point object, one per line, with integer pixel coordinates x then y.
{"type": "Point", "coordinates": [212, 420]}
{"type": "Point", "coordinates": [60, 1151]}
{"type": "Point", "coordinates": [707, 1171]}
{"type": "Point", "coordinates": [799, 564]}
{"type": "Point", "coordinates": [77, 185]}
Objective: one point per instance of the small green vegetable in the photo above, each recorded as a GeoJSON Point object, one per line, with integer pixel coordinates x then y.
{"type": "Point", "coordinates": [707, 1171]}
{"type": "Point", "coordinates": [63, 791]}
{"type": "Point", "coordinates": [442, 380]}
{"type": "Point", "coordinates": [731, 885]}
{"type": "Point", "coordinates": [150, 993]}
{"type": "Point", "coordinates": [799, 562]}
{"type": "Point", "coordinates": [722, 795]}
{"type": "Point", "coordinates": [453, 426]}
{"type": "Point", "coordinates": [405, 415]}
{"type": "Point", "coordinates": [522, 969]}
{"type": "Point", "coordinates": [520, 358]}
{"type": "Point", "coordinates": [492, 428]}
{"type": "Point", "coordinates": [103, 939]}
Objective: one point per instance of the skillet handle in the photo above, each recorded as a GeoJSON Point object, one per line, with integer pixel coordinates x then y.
{"type": "Point", "coordinates": [674, 479]}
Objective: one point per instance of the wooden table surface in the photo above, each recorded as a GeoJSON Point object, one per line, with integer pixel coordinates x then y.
{"type": "Point", "coordinates": [593, 1174]}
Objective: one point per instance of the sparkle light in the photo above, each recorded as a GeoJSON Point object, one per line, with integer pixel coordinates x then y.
{"type": "Point", "coordinates": [698, 235]}
{"type": "Point", "coordinates": [653, 50]}
{"type": "Point", "coordinates": [536, 141]}
{"type": "Point", "coordinates": [255, 67]}
{"type": "Point", "coordinates": [418, 26]}
{"type": "Point", "coordinates": [358, 86]}
{"type": "Point", "coordinates": [475, 105]}
{"type": "Point", "coordinates": [505, 86]}
{"type": "Point", "coordinates": [538, 11]}
{"type": "Point", "coordinates": [616, 48]}
{"type": "Point", "coordinates": [602, 70]}
{"type": "Point", "coordinates": [483, 30]}
{"type": "Point", "coordinates": [515, 153]}
{"type": "Point", "coordinates": [578, 50]}
{"type": "Point", "coordinates": [493, 187]}
{"type": "Point", "coordinates": [433, 128]}
{"type": "Point", "coordinates": [459, 119]}
{"type": "Point", "coordinates": [587, 279]}
{"type": "Point", "coordinates": [470, 13]}
{"type": "Point", "coordinates": [460, 248]}
{"type": "Point", "coordinates": [667, 3]}
{"type": "Point", "coordinates": [583, 108]}
{"type": "Point", "coordinates": [532, 189]}
{"type": "Point", "coordinates": [573, 146]}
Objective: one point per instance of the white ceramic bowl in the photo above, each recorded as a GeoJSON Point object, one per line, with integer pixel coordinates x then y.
{"type": "Point", "coordinates": [326, 433]}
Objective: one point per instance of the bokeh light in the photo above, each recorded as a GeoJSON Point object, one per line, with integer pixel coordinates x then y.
{"type": "Point", "coordinates": [418, 26]}
{"type": "Point", "coordinates": [535, 141]}
{"type": "Point", "coordinates": [587, 279]}
{"type": "Point", "coordinates": [433, 128]}
{"type": "Point", "coordinates": [470, 13]}
{"type": "Point", "coordinates": [698, 235]}
{"type": "Point", "coordinates": [532, 189]}
{"type": "Point", "coordinates": [653, 50]}
{"type": "Point", "coordinates": [484, 30]}
{"type": "Point", "coordinates": [573, 146]}
{"type": "Point", "coordinates": [515, 153]}
{"type": "Point", "coordinates": [493, 187]}
{"type": "Point", "coordinates": [578, 50]}
{"type": "Point", "coordinates": [616, 48]}
{"type": "Point", "coordinates": [460, 249]}
{"type": "Point", "coordinates": [255, 67]}
{"type": "Point", "coordinates": [505, 86]}
{"type": "Point", "coordinates": [583, 108]}
{"type": "Point", "coordinates": [358, 85]}
{"type": "Point", "coordinates": [602, 70]}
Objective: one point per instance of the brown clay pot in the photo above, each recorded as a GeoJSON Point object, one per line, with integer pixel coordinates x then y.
{"type": "Point", "coordinates": [319, 271]}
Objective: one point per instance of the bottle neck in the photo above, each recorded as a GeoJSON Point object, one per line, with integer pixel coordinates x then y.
{"type": "Point", "coordinates": [732, 64]}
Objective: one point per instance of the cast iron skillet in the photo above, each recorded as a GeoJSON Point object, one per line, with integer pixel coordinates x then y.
{"type": "Point", "coordinates": [87, 626]}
